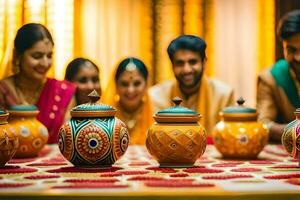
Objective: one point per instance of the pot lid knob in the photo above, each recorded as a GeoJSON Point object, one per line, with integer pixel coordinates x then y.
{"type": "Point", "coordinates": [94, 96]}
{"type": "Point", "coordinates": [240, 101]}
{"type": "Point", "coordinates": [177, 101]}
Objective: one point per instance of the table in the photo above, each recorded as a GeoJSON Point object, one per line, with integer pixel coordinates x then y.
{"type": "Point", "coordinates": [274, 175]}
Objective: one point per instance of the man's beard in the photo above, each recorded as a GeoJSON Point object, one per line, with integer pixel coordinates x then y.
{"type": "Point", "coordinates": [197, 79]}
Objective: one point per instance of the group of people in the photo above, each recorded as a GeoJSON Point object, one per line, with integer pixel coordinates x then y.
{"type": "Point", "coordinates": [278, 88]}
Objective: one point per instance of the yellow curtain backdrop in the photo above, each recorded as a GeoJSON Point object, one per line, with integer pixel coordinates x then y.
{"type": "Point", "coordinates": [198, 19]}
{"type": "Point", "coordinates": [266, 34]}
{"type": "Point", "coordinates": [112, 30]}
{"type": "Point", "coordinates": [57, 16]}
{"type": "Point", "coordinates": [11, 20]}
{"type": "Point", "coordinates": [167, 25]}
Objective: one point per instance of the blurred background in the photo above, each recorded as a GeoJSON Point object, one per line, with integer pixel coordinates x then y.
{"type": "Point", "coordinates": [240, 34]}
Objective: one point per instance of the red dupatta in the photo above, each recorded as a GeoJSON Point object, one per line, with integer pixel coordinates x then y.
{"type": "Point", "coordinates": [52, 104]}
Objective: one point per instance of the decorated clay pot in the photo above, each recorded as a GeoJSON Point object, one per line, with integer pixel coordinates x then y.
{"type": "Point", "coordinates": [291, 136]}
{"type": "Point", "coordinates": [33, 135]}
{"type": "Point", "coordinates": [176, 139]}
{"type": "Point", "coordinates": [9, 141]}
{"type": "Point", "coordinates": [93, 137]}
{"type": "Point", "coordinates": [239, 134]}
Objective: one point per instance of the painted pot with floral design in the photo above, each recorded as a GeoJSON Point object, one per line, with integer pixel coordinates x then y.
{"type": "Point", "coordinates": [33, 135]}
{"type": "Point", "coordinates": [93, 137]}
{"type": "Point", "coordinates": [239, 134]}
{"type": "Point", "coordinates": [9, 141]}
{"type": "Point", "coordinates": [176, 139]}
{"type": "Point", "coordinates": [291, 136]}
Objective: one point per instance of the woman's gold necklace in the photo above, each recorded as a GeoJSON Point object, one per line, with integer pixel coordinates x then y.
{"type": "Point", "coordinates": [29, 97]}
{"type": "Point", "coordinates": [131, 119]}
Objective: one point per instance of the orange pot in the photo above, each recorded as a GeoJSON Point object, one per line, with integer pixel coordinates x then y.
{"type": "Point", "coordinates": [176, 139]}
{"type": "Point", "coordinates": [33, 135]}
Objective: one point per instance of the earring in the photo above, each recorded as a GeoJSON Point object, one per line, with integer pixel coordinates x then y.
{"type": "Point", "coordinates": [16, 68]}
{"type": "Point", "coordinates": [117, 98]}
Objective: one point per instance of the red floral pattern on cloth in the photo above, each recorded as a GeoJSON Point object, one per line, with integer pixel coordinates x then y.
{"type": "Point", "coordinates": [246, 169]}
{"type": "Point", "coordinates": [37, 177]}
{"type": "Point", "coordinates": [13, 169]}
{"type": "Point", "coordinates": [110, 180]}
{"type": "Point", "coordinates": [176, 184]}
{"type": "Point", "coordinates": [47, 164]}
{"type": "Point", "coordinates": [226, 177]}
{"type": "Point", "coordinates": [162, 169]}
{"type": "Point", "coordinates": [136, 171]}
{"type": "Point", "coordinates": [283, 176]}
{"type": "Point", "coordinates": [202, 170]}
{"type": "Point", "coordinates": [179, 175]}
{"type": "Point", "coordinates": [146, 178]}
{"type": "Point", "coordinates": [21, 160]}
{"type": "Point", "coordinates": [285, 166]}
{"type": "Point", "coordinates": [120, 173]}
{"type": "Point", "coordinates": [261, 162]}
{"type": "Point", "coordinates": [90, 186]}
{"type": "Point", "coordinates": [83, 170]}
{"type": "Point", "coordinates": [14, 185]}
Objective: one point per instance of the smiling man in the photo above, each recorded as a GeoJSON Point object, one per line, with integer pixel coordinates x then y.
{"type": "Point", "coordinates": [205, 95]}
{"type": "Point", "coordinates": [279, 87]}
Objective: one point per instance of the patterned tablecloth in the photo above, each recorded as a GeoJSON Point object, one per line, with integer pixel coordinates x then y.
{"type": "Point", "coordinates": [273, 176]}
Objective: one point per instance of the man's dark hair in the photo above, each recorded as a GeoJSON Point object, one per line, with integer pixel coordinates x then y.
{"type": "Point", "coordinates": [187, 42]}
{"type": "Point", "coordinates": [289, 25]}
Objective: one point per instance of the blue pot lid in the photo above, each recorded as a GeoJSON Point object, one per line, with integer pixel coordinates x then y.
{"type": "Point", "coordinates": [94, 108]}
{"type": "Point", "coordinates": [239, 109]}
{"type": "Point", "coordinates": [177, 109]}
{"type": "Point", "coordinates": [23, 108]}
{"type": "Point", "coordinates": [2, 112]}
{"type": "Point", "coordinates": [177, 113]}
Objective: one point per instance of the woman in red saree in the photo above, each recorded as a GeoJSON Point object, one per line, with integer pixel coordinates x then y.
{"type": "Point", "coordinates": [33, 47]}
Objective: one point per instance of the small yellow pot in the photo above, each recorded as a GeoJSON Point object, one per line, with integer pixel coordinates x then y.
{"type": "Point", "coordinates": [9, 141]}
{"type": "Point", "coordinates": [239, 134]}
{"type": "Point", "coordinates": [33, 135]}
{"type": "Point", "coordinates": [176, 139]}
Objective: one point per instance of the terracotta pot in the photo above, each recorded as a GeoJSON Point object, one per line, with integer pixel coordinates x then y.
{"type": "Point", "coordinates": [9, 141]}
{"type": "Point", "coordinates": [33, 135]}
{"type": "Point", "coordinates": [93, 137]}
{"type": "Point", "coordinates": [239, 134]}
{"type": "Point", "coordinates": [176, 139]}
{"type": "Point", "coordinates": [290, 137]}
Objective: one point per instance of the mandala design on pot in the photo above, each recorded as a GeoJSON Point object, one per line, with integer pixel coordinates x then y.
{"type": "Point", "coordinates": [92, 143]}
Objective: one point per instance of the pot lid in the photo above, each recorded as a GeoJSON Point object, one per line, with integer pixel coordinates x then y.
{"type": "Point", "coordinates": [27, 110]}
{"type": "Point", "coordinates": [177, 113]}
{"type": "Point", "coordinates": [2, 112]}
{"type": "Point", "coordinates": [3, 116]}
{"type": "Point", "coordinates": [93, 108]}
{"type": "Point", "coordinates": [239, 112]}
{"type": "Point", "coordinates": [240, 108]}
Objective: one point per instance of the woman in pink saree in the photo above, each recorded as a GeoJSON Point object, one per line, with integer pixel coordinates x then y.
{"type": "Point", "coordinates": [33, 47]}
